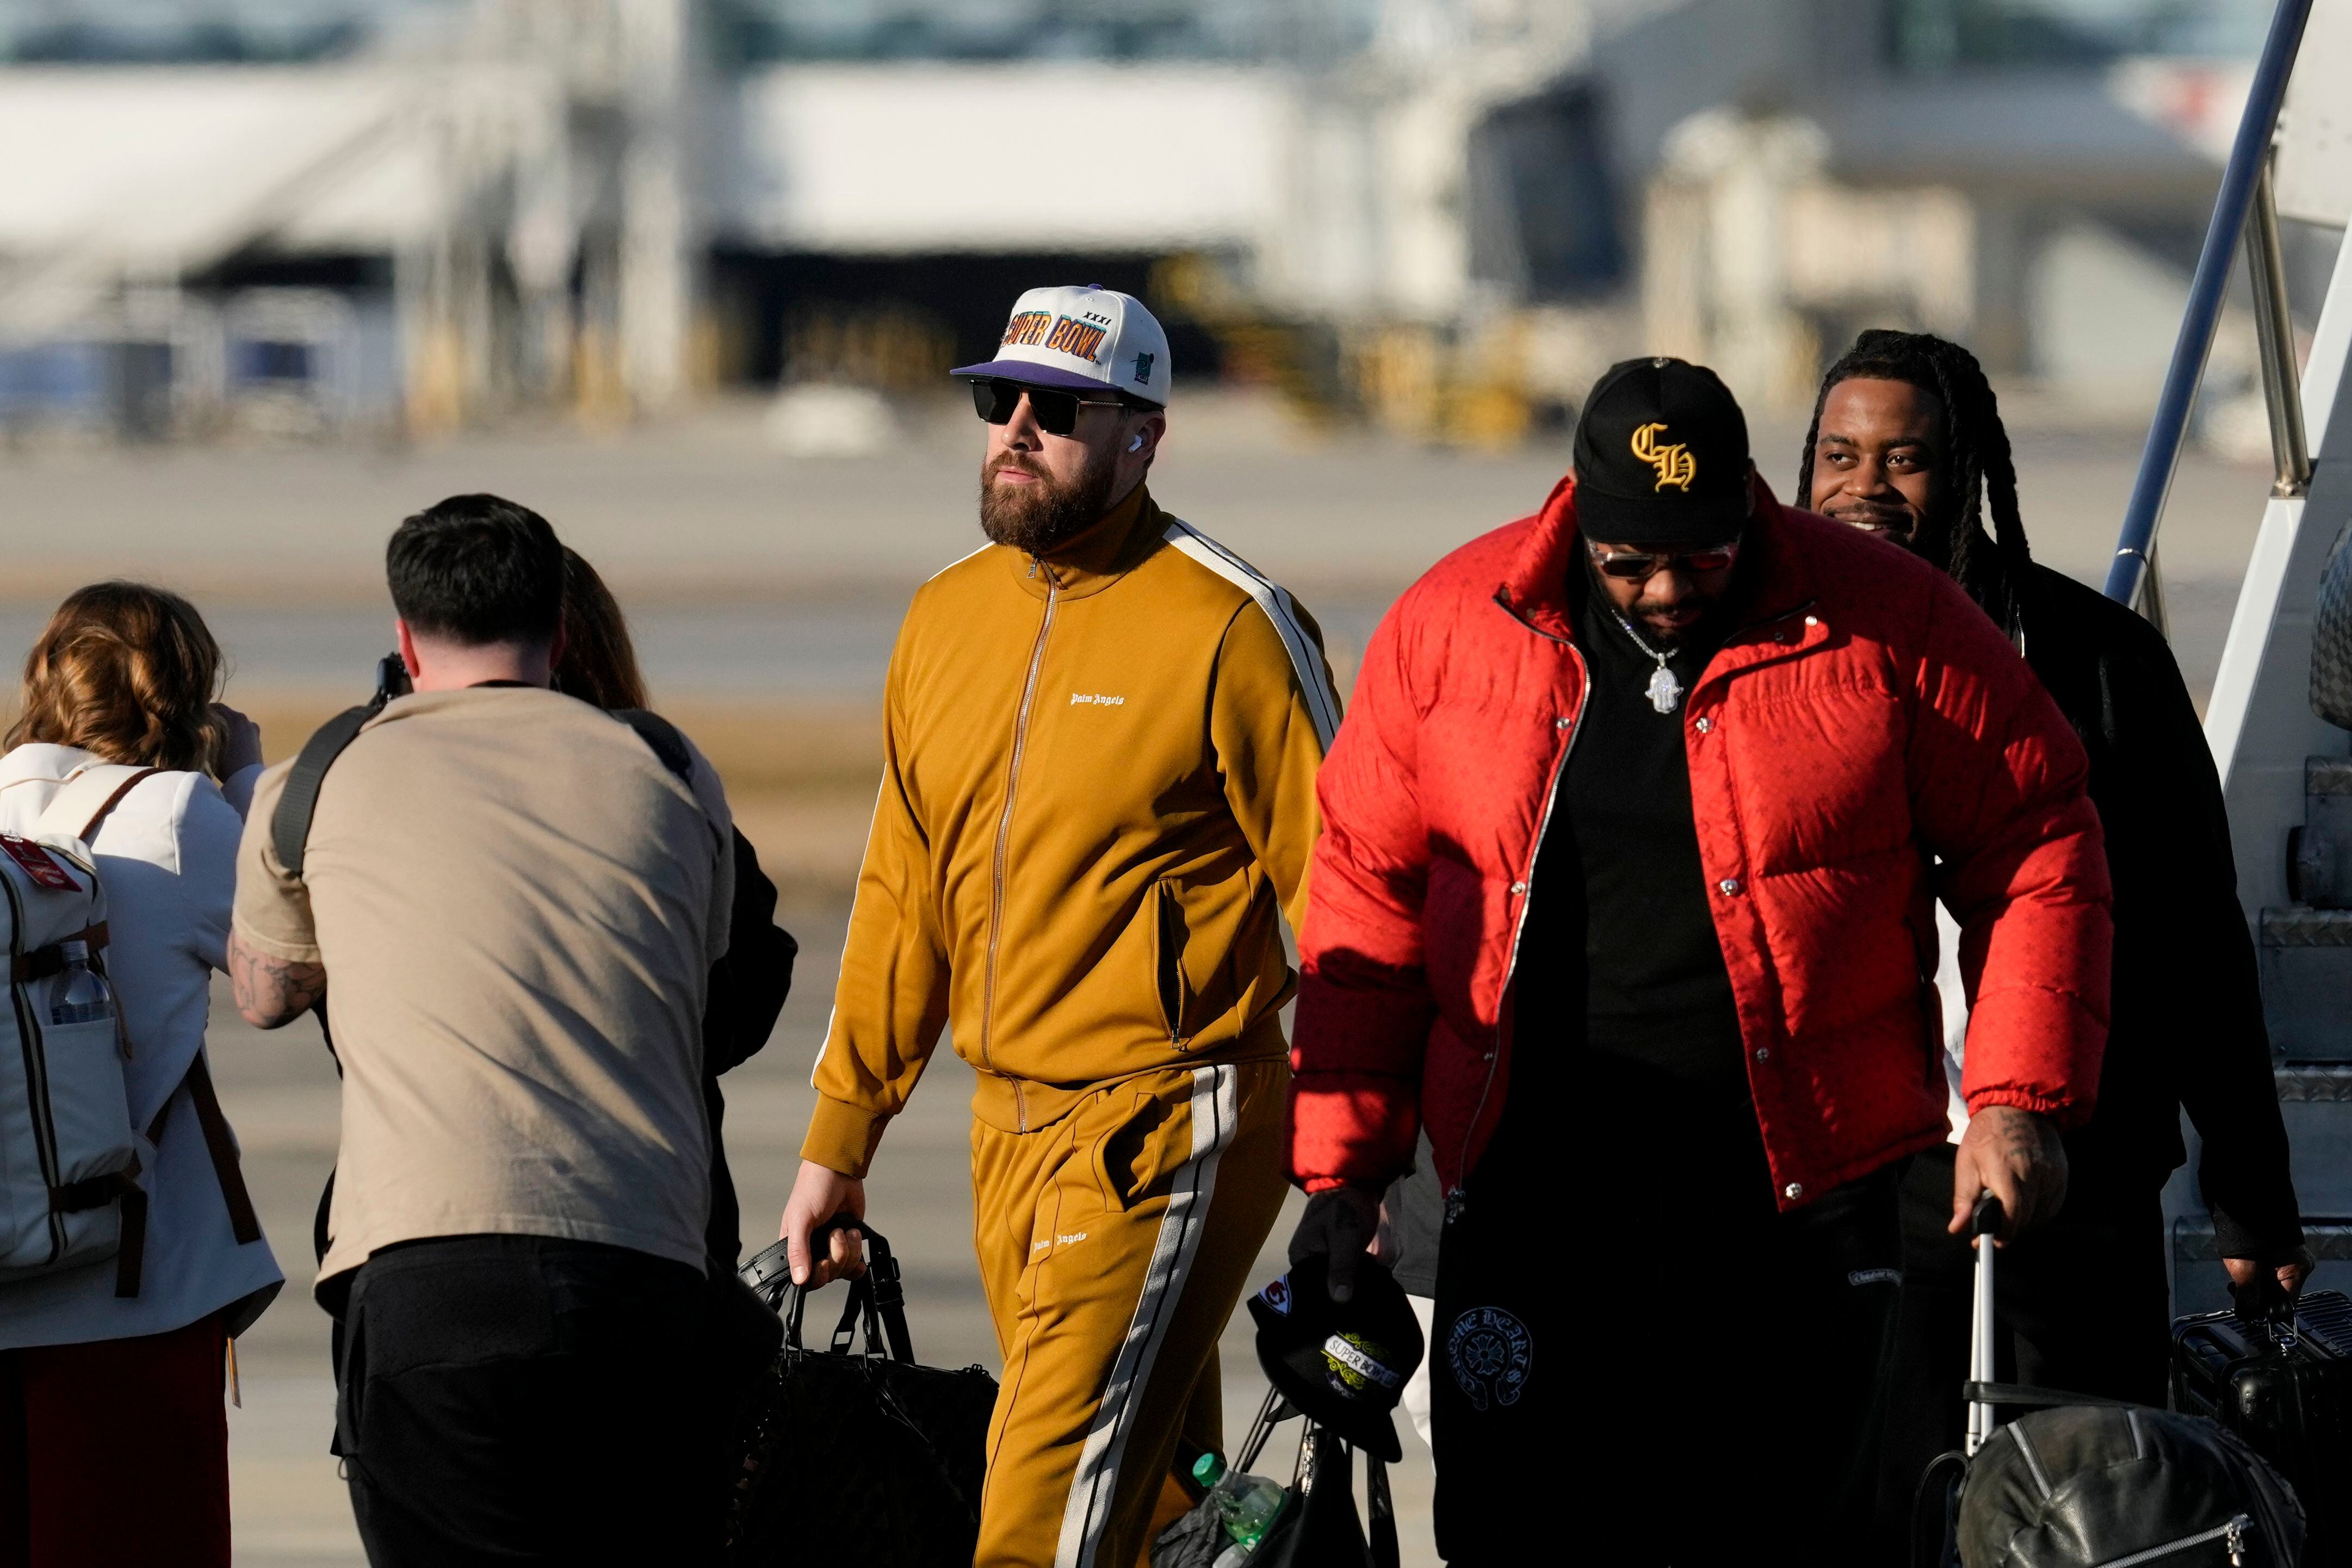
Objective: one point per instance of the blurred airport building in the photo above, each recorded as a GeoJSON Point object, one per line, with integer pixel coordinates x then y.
{"type": "Point", "coordinates": [1442, 216]}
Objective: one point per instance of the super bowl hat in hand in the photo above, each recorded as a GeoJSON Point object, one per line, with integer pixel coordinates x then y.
{"type": "Point", "coordinates": [1343, 1365]}
{"type": "Point", "coordinates": [1081, 338]}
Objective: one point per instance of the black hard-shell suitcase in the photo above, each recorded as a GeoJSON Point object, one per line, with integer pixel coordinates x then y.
{"type": "Point", "coordinates": [2283, 1383]}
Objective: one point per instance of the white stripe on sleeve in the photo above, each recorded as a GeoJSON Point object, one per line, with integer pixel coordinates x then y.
{"type": "Point", "coordinates": [1322, 702]}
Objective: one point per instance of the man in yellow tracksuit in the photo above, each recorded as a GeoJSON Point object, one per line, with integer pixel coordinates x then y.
{"type": "Point", "coordinates": [1098, 803]}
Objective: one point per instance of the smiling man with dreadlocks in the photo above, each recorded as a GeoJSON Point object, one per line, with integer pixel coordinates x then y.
{"type": "Point", "coordinates": [1908, 442]}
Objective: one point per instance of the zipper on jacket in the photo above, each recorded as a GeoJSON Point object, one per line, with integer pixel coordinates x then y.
{"type": "Point", "coordinates": [1168, 968]}
{"type": "Point", "coordinates": [2233, 1532]}
{"type": "Point", "coordinates": [1004, 834]}
{"type": "Point", "coordinates": [37, 1108]}
{"type": "Point", "coordinates": [1458, 1199]}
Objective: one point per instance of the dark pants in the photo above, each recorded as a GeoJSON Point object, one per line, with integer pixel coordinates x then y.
{"type": "Point", "coordinates": [2082, 1306]}
{"type": "Point", "coordinates": [114, 1453]}
{"type": "Point", "coordinates": [1633, 1349]}
{"type": "Point", "coordinates": [516, 1399]}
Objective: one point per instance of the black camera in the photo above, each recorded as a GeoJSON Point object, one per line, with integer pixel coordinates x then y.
{"type": "Point", "coordinates": [391, 679]}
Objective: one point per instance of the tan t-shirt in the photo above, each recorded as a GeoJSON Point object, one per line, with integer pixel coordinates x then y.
{"type": "Point", "coordinates": [517, 906]}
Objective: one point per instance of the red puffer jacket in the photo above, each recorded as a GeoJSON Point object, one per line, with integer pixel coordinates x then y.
{"type": "Point", "coordinates": [1865, 721]}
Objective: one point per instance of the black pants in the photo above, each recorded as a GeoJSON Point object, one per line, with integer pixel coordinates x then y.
{"type": "Point", "coordinates": [2083, 1305]}
{"type": "Point", "coordinates": [520, 1399]}
{"type": "Point", "coordinates": [1635, 1352]}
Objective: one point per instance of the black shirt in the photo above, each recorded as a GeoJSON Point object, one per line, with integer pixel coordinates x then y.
{"type": "Point", "coordinates": [1618, 883]}
{"type": "Point", "coordinates": [1619, 967]}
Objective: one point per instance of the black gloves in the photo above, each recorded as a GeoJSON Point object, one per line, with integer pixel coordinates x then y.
{"type": "Point", "coordinates": [1339, 1225]}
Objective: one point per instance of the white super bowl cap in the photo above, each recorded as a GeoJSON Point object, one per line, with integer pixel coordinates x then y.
{"type": "Point", "coordinates": [1082, 338]}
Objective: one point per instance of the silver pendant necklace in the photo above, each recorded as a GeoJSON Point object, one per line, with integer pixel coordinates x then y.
{"type": "Point", "coordinates": [1665, 691]}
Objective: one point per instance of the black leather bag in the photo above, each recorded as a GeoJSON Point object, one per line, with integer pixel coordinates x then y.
{"type": "Point", "coordinates": [2086, 1482]}
{"type": "Point", "coordinates": [1324, 1530]}
{"type": "Point", "coordinates": [859, 1457]}
{"type": "Point", "coordinates": [2089, 1485]}
{"type": "Point", "coordinates": [2279, 1375]}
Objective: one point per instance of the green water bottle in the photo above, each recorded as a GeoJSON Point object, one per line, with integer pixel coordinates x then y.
{"type": "Point", "coordinates": [1248, 1504]}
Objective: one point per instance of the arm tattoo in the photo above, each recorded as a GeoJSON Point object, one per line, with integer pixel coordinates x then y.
{"type": "Point", "coordinates": [271, 992]}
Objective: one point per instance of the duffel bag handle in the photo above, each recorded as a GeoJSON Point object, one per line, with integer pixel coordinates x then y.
{"type": "Point", "coordinates": [769, 1272]}
{"type": "Point", "coordinates": [879, 1293]}
{"type": "Point", "coordinates": [860, 1305]}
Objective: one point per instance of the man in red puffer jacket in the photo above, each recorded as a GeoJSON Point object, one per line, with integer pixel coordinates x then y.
{"type": "Point", "coordinates": [1631, 839]}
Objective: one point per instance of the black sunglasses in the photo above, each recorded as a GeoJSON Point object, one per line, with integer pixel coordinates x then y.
{"type": "Point", "coordinates": [1056, 412]}
{"type": "Point", "coordinates": [1635, 566]}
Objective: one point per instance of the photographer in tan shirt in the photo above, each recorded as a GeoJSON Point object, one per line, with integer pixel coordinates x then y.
{"type": "Point", "coordinates": [511, 905]}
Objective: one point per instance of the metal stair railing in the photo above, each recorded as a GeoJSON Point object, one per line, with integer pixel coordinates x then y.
{"type": "Point", "coordinates": [2132, 577]}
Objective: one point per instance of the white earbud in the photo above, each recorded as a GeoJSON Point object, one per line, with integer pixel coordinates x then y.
{"type": "Point", "coordinates": [1136, 445]}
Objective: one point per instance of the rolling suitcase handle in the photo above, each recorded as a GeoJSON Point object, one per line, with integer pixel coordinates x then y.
{"type": "Point", "coordinates": [1984, 1222]}
{"type": "Point", "coordinates": [1935, 1506]}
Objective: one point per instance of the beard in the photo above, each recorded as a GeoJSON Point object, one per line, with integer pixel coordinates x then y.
{"type": "Point", "coordinates": [1663, 637]}
{"type": "Point", "coordinates": [1044, 514]}
{"type": "Point", "coordinates": [1637, 614]}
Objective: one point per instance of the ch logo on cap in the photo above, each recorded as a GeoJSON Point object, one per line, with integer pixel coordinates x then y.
{"type": "Point", "coordinates": [1673, 462]}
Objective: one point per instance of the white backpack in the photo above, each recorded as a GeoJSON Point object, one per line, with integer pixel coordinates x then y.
{"type": "Point", "coordinates": [69, 1158]}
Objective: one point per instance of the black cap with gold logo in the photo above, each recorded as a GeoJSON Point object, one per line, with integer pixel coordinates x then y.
{"type": "Point", "coordinates": [1661, 456]}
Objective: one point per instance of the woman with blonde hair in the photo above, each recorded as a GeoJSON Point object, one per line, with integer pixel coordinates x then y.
{"type": "Point", "coordinates": [113, 1442]}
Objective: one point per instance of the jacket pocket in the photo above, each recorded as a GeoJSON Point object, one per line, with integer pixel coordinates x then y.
{"type": "Point", "coordinates": [1168, 935]}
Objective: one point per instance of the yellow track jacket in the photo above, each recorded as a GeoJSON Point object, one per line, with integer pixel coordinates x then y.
{"type": "Point", "coordinates": [1097, 792]}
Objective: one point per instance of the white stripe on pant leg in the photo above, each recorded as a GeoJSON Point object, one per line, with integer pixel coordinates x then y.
{"type": "Point", "coordinates": [1088, 1515]}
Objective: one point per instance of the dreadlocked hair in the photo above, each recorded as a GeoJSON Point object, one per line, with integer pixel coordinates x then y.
{"type": "Point", "coordinates": [1991, 566]}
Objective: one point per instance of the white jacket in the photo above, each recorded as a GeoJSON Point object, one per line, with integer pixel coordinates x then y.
{"type": "Point", "coordinates": [167, 855]}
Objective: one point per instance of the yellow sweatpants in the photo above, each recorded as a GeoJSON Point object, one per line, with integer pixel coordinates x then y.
{"type": "Point", "coordinates": [1114, 1243]}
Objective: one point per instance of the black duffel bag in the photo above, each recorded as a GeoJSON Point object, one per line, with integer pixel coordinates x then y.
{"type": "Point", "coordinates": [858, 1457]}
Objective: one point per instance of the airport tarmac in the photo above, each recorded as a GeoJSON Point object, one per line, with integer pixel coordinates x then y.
{"type": "Point", "coordinates": [758, 576]}
{"type": "Point", "coordinates": [765, 592]}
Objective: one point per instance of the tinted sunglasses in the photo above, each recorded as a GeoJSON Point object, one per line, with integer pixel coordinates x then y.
{"type": "Point", "coordinates": [1638, 566]}
{"type": "Point", "coordinates": [1056, 412]}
